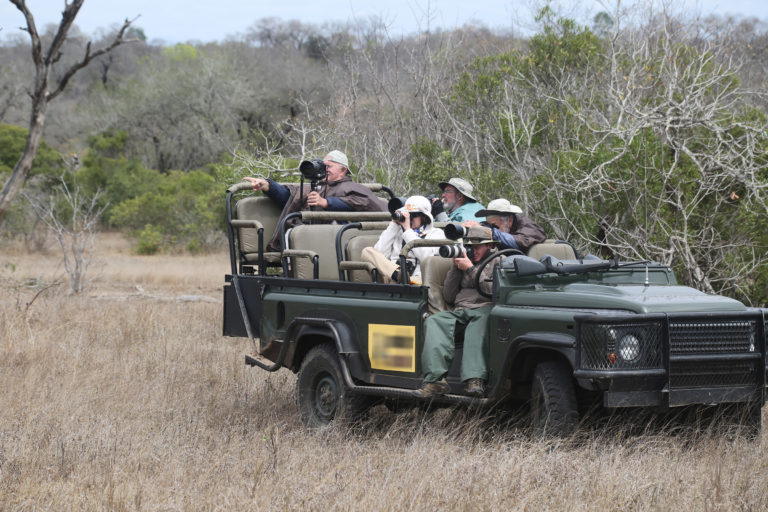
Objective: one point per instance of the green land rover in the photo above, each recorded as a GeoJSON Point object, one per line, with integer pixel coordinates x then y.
{"type": "Point", "coordinates": [565, 329]}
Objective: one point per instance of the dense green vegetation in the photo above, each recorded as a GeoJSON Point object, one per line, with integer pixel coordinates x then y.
{"type": "Point", "coordinates": [647, 141]}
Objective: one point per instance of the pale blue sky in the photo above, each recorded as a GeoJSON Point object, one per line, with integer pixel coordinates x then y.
{"type": "Point", "coordinates": [189, 20]}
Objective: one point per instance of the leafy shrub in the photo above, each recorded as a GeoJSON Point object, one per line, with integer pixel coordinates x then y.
{"type": "Point", "coordinates": [149, 240]}
{"type": "Point", "coordinates": [185, 208]}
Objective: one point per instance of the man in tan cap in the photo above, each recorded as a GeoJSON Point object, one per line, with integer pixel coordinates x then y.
{"type": "Point", "coordinates": [511, 227]}
{"type": "Point", "coordinates": [337, 193]}
{"type": "Point", "coordinates": [458, 202]}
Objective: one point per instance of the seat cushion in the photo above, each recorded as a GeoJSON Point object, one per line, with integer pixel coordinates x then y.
{"type": "Point", "coordinates": [433, 272]}
{"type": "Point", "coordinates": [557, 248]}
{"type": "Point", "coordinates": [354, 251]}
{"type": "Point", "coordinates": [259, 208]}
{"type": "Point", "coordinates": [320, 238]}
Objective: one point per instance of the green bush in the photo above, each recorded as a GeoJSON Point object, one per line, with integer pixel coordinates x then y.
{"type": "Point", "coordinates": [185, 208]}
{"type": "Point", "coordinates": [149, 240]}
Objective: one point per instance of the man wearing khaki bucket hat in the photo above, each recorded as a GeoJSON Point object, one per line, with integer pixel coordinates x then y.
{"type": "Point", "coordinates": [457, 202]}
{"type": "Point", "coordinates": [511, 227]}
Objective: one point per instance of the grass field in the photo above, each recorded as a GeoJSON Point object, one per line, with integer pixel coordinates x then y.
{"type": "Point", "coordinates": [127, 397]}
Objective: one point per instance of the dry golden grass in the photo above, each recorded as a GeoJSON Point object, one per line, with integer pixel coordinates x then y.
{"type": "Point", "coordinates": [117, 400]}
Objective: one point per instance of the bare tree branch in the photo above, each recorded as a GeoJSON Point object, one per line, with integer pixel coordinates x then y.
{"type": "Point", "coordinates": [41, 95]}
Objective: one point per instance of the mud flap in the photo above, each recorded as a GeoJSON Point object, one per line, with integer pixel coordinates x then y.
{"type": "Point", "coordinates": [233, 319]}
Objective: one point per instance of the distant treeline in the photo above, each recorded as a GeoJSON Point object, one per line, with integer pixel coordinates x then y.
{"type": "Point", "coordinates": [642, 137]}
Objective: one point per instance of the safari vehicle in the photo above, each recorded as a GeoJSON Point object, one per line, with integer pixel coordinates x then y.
{"type": "Point", "coordinates": [565, 330]}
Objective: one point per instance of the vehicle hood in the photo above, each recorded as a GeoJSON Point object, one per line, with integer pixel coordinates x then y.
{"type": "Point", "coordinates": [639, 299]}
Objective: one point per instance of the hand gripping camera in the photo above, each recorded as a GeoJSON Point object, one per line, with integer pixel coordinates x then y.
{"type": "Point", "coordinates": [314, 171]}
{"type": "Point", "coordinates": [395, 204]}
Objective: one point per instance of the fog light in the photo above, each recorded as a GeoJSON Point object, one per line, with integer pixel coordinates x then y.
{"type": "Point", "coordinates": [629, 348]}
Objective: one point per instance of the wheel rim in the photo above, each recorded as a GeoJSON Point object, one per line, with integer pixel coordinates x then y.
{"type": "Point", "coordinates": [326, 397]}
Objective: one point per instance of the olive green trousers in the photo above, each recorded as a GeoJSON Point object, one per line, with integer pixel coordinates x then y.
{"type": "Point", "coordinates": [439, 345]}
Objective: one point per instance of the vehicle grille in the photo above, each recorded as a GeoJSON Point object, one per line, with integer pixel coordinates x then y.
{"type": "Point", "coordinates": [701, 374]}
{"type": "Point", "coordinates": [708, 337]}
{"type": "Point", "coordinates": [691, 337]}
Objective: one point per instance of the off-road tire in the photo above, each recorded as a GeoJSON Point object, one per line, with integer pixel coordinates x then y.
{"type": "Point", "coordinates": [554, 409]}
{"type": "Point", "coordinates": [321, 394]}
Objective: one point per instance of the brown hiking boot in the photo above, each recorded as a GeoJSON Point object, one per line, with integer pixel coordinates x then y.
{"type": "Point", "coordinates": [430, 389]}
{"type": "Point", "coordinates": [474, 387]}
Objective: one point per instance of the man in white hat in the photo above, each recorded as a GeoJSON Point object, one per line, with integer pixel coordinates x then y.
{"type": "Point", "coordinates": [511, 227]}
{"type": "Point", "coordinates": [337, 193]}
{"type": "Point", "coordinates": [415, 223]}
{"type": "Point", "coordinates": [472, 310]}
{"type": "Point", "coordinates": [457, 201]}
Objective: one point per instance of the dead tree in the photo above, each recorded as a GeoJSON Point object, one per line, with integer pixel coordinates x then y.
{"type": "Point", "coordinates": [72, 217]}
{"type": "Point", "coordinates": [43, 91]}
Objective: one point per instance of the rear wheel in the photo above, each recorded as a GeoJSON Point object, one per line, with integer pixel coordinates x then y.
{"type": "Point", "coordinates": [321, 393]}
{"type": "Point", "coordinates": [554, 409]}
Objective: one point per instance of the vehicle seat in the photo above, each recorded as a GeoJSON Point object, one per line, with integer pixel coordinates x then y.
{"type": "Point", "coordinates": [560, 249]}
{"type": "Point", "coordinates": [353, 253]}
{"type": "Point", "coordinates": [308, 240]}
{"type": "Point", "coordinates": [265, 211]}
{"type": "Point", "coordinates": [433, 272]}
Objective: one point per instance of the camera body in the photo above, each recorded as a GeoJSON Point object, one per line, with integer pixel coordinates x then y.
{"type": "Point", "coordinates": [313, 170]}
{"type": "Point", "coordinates": [395, 204]}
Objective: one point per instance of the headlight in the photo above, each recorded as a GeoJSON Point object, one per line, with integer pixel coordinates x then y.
{"type": "Point", "coordinates": [621, 345]}
{"type": "Point", "coordinates": [629, 348]}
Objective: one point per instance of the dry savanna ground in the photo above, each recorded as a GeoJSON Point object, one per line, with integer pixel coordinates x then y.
{"type": "Point", "coordinates": [127, 397]}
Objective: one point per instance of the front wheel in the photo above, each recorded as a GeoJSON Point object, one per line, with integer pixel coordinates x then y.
{"type": "Point", "coordinates": [321, 393]}
{"type": "Point", "coordinates": [554, 409]}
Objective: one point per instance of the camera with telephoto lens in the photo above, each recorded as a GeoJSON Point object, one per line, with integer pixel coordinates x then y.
{"type": "Point", "coordinates": [454, 251]}
{"type": "Point", "coordinates": [313, 170]}
{"type": "Point", "coordinates": [395, 204]}
{"type": "Point", "coordinates": [454, 231]}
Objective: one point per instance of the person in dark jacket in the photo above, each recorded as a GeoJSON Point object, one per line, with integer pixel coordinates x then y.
{"type": "Point", "coordinates": [511, 227]}
{"type": "Point", "coordinates": [471, 310]}
{"type": "Point", "coordinates": [338, 193]}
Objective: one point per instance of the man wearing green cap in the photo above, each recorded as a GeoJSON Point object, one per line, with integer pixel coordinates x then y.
{"type": "Point", "coordinates": [471, 310]}
{"type": "Point", "coordinates": [338, 193]}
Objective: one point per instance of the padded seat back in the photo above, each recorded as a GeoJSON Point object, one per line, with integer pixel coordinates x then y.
{"type": "Point", "coordinates": [262, 209]}
{"type": "Point", "coordinates": [354, 251]}
{"type": "Point", "coordinates": [433, 272]}
{"type": "Point", "coordinates": [320, 238]}
{"type": "Point", "coordinates": [558, 248]}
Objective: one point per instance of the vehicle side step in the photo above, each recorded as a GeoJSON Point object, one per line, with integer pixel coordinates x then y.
{"type": "Point", "coordinates": [389, 392]}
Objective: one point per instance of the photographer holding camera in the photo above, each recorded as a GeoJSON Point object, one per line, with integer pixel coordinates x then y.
{"type": "Point", "coordinates": [471, 310]}
{"type": "Point", "coordinates": [335, 191]}
{"type": "Point", "coordinates": [411, 221]}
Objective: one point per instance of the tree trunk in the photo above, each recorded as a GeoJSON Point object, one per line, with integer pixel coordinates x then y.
{"type": "Point", "coordinates": [42, 95]}
{"type": "Point", "coordinates": [23, 166]}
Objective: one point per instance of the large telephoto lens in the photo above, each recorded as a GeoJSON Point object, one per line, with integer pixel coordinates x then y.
{"type": "Point", "coordinates": [449, 251]}
{"type": "Point", "coordinates": [313, 169]}
{"type": "Point", "coordinates": [455, 231]}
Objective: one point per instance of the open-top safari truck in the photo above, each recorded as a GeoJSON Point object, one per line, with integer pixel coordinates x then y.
{"type": "Point", "coordinates": [565, 330]}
